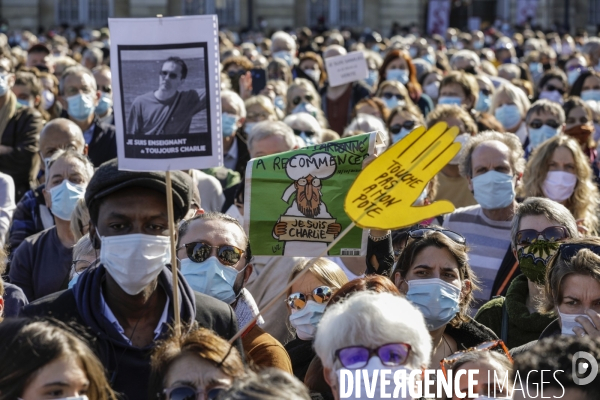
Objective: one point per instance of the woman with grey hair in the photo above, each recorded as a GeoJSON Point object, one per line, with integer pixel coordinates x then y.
{"type": "Point", "coordinates": [84, 256]}
{"type": "Point", "coordinates": [381, 331]}
{"type": "Point", "coordinates": [538, 227]}
{"type": "Point", "coordinates": [306, 127]}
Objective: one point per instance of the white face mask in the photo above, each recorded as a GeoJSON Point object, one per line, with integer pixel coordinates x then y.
{"type": "Point", "coordinates": [134, 260]}
{"type": "Point", "coordinates": [314, 74]}
{"type": "Point", "coordinates": [559, 185]}
{"type": "Point", "coordinates": [567, 322]}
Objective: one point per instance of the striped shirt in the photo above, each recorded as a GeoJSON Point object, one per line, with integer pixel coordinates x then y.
{"type": "Point", "coordinates": [488, 242]}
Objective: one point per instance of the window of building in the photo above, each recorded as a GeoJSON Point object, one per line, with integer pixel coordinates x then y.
{"type": "Point", "coordinates": [226, 10]}
{"type": "Point", "coordinates": [93, 13]}
{"type": "Point", "coordinates": [336, 12]}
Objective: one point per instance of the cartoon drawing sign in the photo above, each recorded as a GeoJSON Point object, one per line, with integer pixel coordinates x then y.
{"type": "Point", "coordinates": [296, 198]}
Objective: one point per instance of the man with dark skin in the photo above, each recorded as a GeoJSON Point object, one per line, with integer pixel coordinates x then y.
{"type": "Point", "coordinates": [126, 302]}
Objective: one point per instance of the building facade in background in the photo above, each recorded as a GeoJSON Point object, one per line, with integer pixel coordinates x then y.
{"type": "Point", "coordinates": [240, 14]}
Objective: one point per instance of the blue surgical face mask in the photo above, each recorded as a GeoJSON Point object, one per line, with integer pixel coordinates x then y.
{"type": "Point", "coordinates": [24, 103]}
{"type": "Point", "coordinates": [535, 68]}
{"type": "Point", "coordinates": [553, 96]}
{"type": "Point", "coordinates": [413, 52]}
{"type": "Point", "coordinates": [74, 280]}
{"type": "Point", "coordinates": [392, 102]}
{"type": "Point", "coordinates": [104, 104]}
{"type": "Point", "coordinates": [305, 321]}
{"type": "Point", "coordinates": [372, 78]}
{"type": "Point", "coordinates": [438, 300]}
{"type": "Point", "coordinates": [279, 103]}
{"type": "Point", "coordinates": [229, 124]}
{"type": "Point", "coordinates": [590, 95]}
{"type": "Point", "coordinates": [211, 277]}
{"type": "Point", "coordinates": [493, 190]}
{"type": "Point", "coordinates": [309, 140]}
{"type": "Point", "coordinates": [540, 135]}
{"type": "Point", "coordinates": [3, 84]}
{"type": "Point", "coordinates": [80, 106]}
{"type": "Point", "coordinates": [64, 199]}
{"type": "Point", "coordinates": [572, 76]}
{"type": "Point", "coordinates": [396, 137]}
{"type": "Point", "coordinates": [400, 75]}
{"type": "Point", "coordinates": [508, 115]}
{"type": "Point", "coordinates": [429, 58]}
{"type": "Point", "coordinates": [306, 108]}
{"type": "Point", "coordinates": [285, 56]}
{"type": "Point", "coordinates": [450, 100]}
{"type": "Point", "coordinates": [483, 102]}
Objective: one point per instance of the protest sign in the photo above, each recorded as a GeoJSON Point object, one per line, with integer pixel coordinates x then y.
{"type": "Point", "coordinates": [383, 194]}
{"type": "Point", "coordinates": [166, 92]}
{"type": "Point", "coordinates": [348, 68]}
{"type": "Point", "coordinates": [294, 200]}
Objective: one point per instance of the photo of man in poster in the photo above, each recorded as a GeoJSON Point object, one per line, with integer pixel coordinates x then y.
{"type": "Point", "coordinates": [169, 109]}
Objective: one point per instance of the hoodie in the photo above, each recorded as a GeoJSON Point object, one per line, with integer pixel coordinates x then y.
{"type": "Point", "coordinates": [128, 367]}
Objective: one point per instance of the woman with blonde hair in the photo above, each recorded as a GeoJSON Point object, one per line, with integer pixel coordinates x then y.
{"type": "Point", "coordinates": [559, 170]}
{"type": "Point", "coordinates": [509, 106]}
{"type": "Point", "coordinates": [402, 121]}
{"type": "Point", "coordinates": [303, 97]}
{"type": "Point", "coordinates": [306, 301]}
{"type": "Point", "coordinates": [80, 220]}
{"type": "Point", "coordinates": [259, 108]}
{"type": "Point", "coordinates": [394, 94]}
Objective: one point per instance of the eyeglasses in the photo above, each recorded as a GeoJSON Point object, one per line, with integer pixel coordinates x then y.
{"type": "Point", "coordinates": [356, 357]}
{"type": "Point", "coordinates": [105, 89]}
{"type": "Point", "coordinates": [552, 234]}
{"type": "Point", "coordinates": [309, 98]}
{"type": "Point", "coordinates": [421, 232]}
{"type": "Point", "coordinates": [552, 88]}
{"type": "Point", "coordinates": [171, 75]}
{"type": "Point", "coordinates": [298, 132]}
{"type": "Point", "coordinates": [321, 295]}
{"type": "Point", "coordinates": [190, 393]}
{"type": "Point", "coordinates": [390, 95]}
{"type": "Point", "coordinates": [536, 124]}
{"type": "Point", "coordinates": [199, 252]}
{"type": "Point", "coordinates": [408, 125]}
{"type": "Point", "coordinates": [86, 264]}
{"type": "Point", "coordinates": [570, 250]}
{"type": "Point", "coordinates": [487, 346]}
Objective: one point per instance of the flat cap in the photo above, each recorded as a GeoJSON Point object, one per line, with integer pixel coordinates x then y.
{"type": "Point", "coordinates": [108, 179]}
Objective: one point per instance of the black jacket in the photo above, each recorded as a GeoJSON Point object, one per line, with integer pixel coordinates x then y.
{"type": "Point", "coordinates": [22, 134]}
{"type": "Point", "coordinates": [301, 354]}
{"type": "Point", "coordinates": [103, 146]}
{"type": "Point", "coordinates": [128, 367]}
{"type": "Point", "coordinates": [243, 154]}
{"type": "Point", "coordinates": [551, 330]}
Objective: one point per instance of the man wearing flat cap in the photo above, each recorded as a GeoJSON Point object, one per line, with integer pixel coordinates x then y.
{"type": "Point", "coordinates": [126, 302]}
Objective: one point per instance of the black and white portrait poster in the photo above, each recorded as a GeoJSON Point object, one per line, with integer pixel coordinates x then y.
{"type": "Point", "coordinates": [167, 102]}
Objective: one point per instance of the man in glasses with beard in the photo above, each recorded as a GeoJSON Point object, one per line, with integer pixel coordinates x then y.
{"type": "Point", "coordinates": [167, 110]}
{"type": "Point", "coordinates": [216, 260]}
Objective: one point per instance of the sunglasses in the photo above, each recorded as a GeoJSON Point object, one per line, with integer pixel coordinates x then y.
{"type": "Point", "coordinates": [298, 132]}
{"type": "Point", "coordinates": [321, 295]}
{"type": "Point", "coordinates": [551, 234]}
{"type": "Point", "coordinates": [409, 125]}
{"type": "Point", "coordinates": [171, 75]}
{"type": "Point", "coordinates": [552, 88]}
{"type": "Point", "coordinates": [236, 74]}
{"type": "Point", "coordinates": [356, 357]}
{"type": "Point", "coordinates": [199, 252]}
{"type": "Point", "coordinates": [420, 233]}
{"type": "Point", "coordinates": [570, 250]}
{"type": "Point", "coordinates": [536, 124]}
{"type": "Point", "coordinates": [297, 100]}
{"type": "Point", "coordinates": [190, 393]}
{"type": "Point", "coordinates": [487, 346]}
{"type": "Point", "coordinates": [390, 95]}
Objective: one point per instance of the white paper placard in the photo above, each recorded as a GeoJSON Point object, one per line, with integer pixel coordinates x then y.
{"type": "Point", "coordinates": [348, 68]}
{"type": "Point", "coordinates": [166, 92]}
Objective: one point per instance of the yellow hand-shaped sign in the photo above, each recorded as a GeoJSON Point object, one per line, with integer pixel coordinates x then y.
{"type": "Point", "coordinates": [383, 194]}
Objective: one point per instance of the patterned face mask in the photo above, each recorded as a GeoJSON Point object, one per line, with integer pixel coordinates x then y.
{"type": "Point", "coordinates": [534, 258]}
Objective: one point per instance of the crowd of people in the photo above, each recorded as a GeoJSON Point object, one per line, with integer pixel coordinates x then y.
{"type": "Point", "coordinates": [508, 283]}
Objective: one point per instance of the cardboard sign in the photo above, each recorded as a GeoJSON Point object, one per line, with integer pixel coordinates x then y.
{"type": "Point", "coordinates": [348, 68]}
{"type": "Point", "coordinates": [294, 200]}
{"type": "Point", "coordinates": [166, 92]}
{"type": "Point", "coordinates": [383, 195]}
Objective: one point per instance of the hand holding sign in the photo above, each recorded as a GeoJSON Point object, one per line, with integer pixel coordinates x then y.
{"type": "Point", "coordinates": [383, 194]}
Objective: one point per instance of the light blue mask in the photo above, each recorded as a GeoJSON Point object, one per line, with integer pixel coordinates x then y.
{"type": "Point", "coordinates": [74, 280]}
{"type": "Point", "coordinates": [438, 301]}
{"type": "Point", "coordinates": [508, 115]}
{"type": "Point", "coordinates": [400, 75]}
{"type": "Point", "coordinates": [210, 277]}
{"type": "Point", "coordinates": [229, 124]}
{"type": "Point", "coordinates": [450, 100]}
{"type": "Point", "coordinates": [540, 135]}
{"type": "Point", "coordinates": [396, 137]}
{"type": "Point", "coordinates": [3, 84]}
{"type": "Point", "coordinates": [104, 104]}
{"type": "Point", "coordinates": [24, 103]}
{"type": "Point", "coordinates": [305, 321]}
{"type": "Point", "coordinates": [413, 52]}
{"type": "Point", "coordinates": [535, 68]}
{"type": "Point", "coordinates": [279, 103]}
{"type": "Point", "coordinates": [372, 78]}
{"type": "Point", "coordinates": [305, 108]}
{"type": "Point", "coordinates": [590, 95]}
{"type": "Point", "coordinates": [572, 76]}
{"type": "Point", "coordinates": [64, 199]}
{"type": "Point", "coordinates": [493, 190]}
{"type": "Point", "coordinates": [80, 106]}
{"type": "Point", "coordinates": [483, 103]}
{"type": "Point", "coordinates": [429, 58]}
{"type": "Point", "coordinates": [392, 102]}
{"type": "Point", "coordinates": [309, 140]}
{"type": "Point", "coordinates": [285, 56]}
